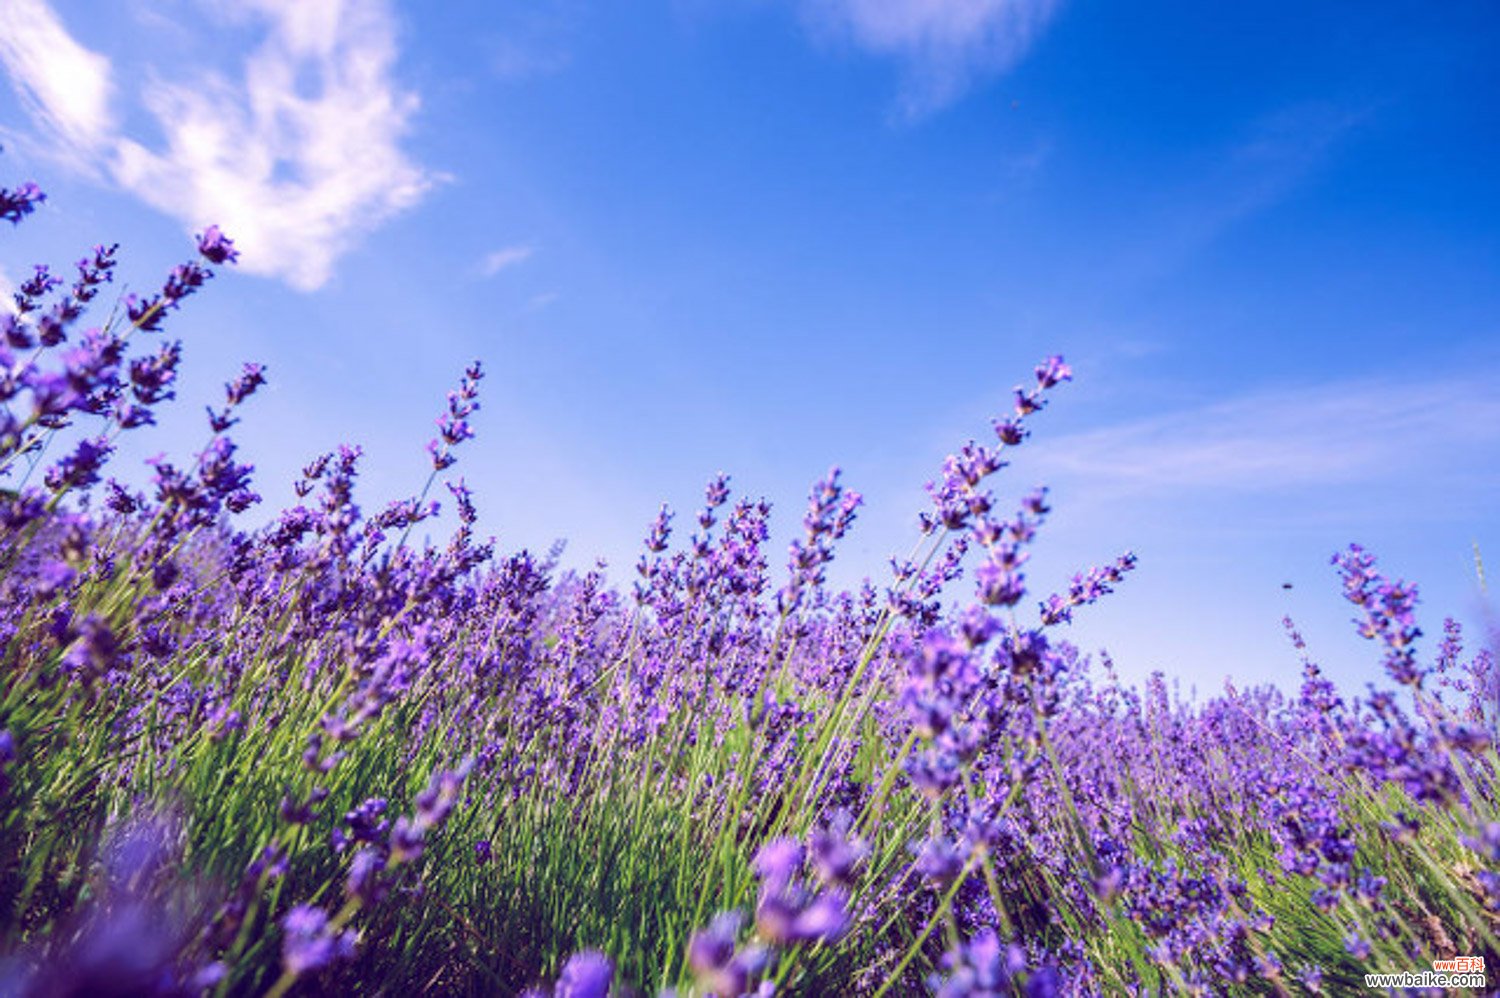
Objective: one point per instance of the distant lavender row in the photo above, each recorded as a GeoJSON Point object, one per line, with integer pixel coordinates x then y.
{"type": "Point", "coordinates": [316, 757]}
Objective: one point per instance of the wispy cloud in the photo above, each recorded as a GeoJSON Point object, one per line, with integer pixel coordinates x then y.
{"type": "Point", "coordinates": [65, 87]}
{"type": "Point", "coordinates": [1020, 170]}
{"type": "Point", "coordinates": [7, 290]}
{"type": "Point", "coordinates": [544, 300]}
{"type": "Point", "coordinates": [297, 156]}
{"type": "Point", "coordinates": [1330, 435]}
{"type": "Point", "coordinates": [943, 46]}
{"type": "Point", "coordinates": [1257, 169]}
{"type": "Point", "coordinates": [504, 259]}
{"type": "Point", "coordinates": [1021, 166]}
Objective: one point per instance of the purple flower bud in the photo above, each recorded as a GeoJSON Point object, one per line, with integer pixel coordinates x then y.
{"type": "Point", "coordinates": [18, 203]}
{"type": "Point", "coordinates": [96, 650]}
{"type": "Point", "coordinates": [585, 975]}
{"type": "Point", "coordinates": [435, 803]}
{"type": "Point", "coordinates": [241, 388]}
{"type": "Point", "coordinates": [834, 854]}
{"type": "Point", "coordinates": [1388, 613]}
{"type": "Point", "coordinates": [53, 577]}
{"type": "Point", "coordinates": [365, 822]}
{"type": "Point", "coordinates": [309, 944]}
{"type": "Point", "coordinates": [407, 841]}
{"type": "Point", "coordinates": [776, 918]}
{"type": "Point", "coordinates": [825, 918]}
{"type": "Point", "coordinates": [711, 948]}
{"type": "Point", "coordinates": [452, 426]}
{"type": "Point", "coordinates": [28, 296]}
{"type": "Point", "coordinates": [216, 247]}
{"type": "Point", "coordinates": [939, 860]}
{"type": "Point", "coordinates": [1051, 371]}
{"type": "Point", "coordinates": [79, 469]}
{"type": "Point", "coordinates": [1357, 946]}
{"type": "Point", "coordinates": [7, 756]}
{"type": "Point", "coordinates": [364, 876]}
{"type": "Point", "coordinates": [716, 965]}
{"type": "Point", "coordinates": [998, 583]}
{"type": "Point", "coordinates": [777, 862]}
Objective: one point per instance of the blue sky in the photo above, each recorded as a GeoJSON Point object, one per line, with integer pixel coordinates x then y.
{"type": "Point", "coordinates": [767, 236]}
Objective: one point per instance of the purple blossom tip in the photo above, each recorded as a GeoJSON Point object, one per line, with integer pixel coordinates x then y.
{"type": "Point", "coordinates": [216, 247]}
{"type": "Point", "coordinates": [310, 943]}
{"type": "Point", "coordinates": [586, 975]}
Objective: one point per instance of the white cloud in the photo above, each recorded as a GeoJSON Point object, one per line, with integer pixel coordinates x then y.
{"type": "Point", "coordinates": [942, 45]}
{"type": "Point", "coordinates": [1329, 435]}
{"type": "Point", "coordinates": [502, 259]}
{"type": "Point", "coordinates": [63, 85]}
{"type": "Point", "coordinates": [296, 157]}
{"type": "Point", "coordinates": [7, 290]}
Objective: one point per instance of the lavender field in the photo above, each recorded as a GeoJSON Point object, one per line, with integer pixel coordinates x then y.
{"type": "Point", "coordinates": [320, 757]}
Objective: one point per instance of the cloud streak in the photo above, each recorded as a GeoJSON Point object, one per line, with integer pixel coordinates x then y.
{"type": "Point", "coordinates": [64, 87]}
{"type": "Point", "coordinates": [1339, 434]}
{"type": "Point", "coordinates": [942, 46]}
{"type": "Point", "coordinates": [1266, 164]}
{"type": "Point", "coordinates": [504, 259]}
{"type": "Point", "coordinates": [297, 156]}
{"type": "Point", "coordinates": [7, 292]}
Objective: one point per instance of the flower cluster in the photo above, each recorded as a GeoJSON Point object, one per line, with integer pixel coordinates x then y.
{"type": "Point", "coordinates": [739, 782]}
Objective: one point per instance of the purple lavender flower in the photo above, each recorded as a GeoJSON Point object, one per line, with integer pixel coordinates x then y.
{"type": "Point", "coordinates": [364, 880]}
{"type": "Point", "coordinates": [235, 393]}
{"type": "Point", "coordinates": [831, 510]}
{"type": "Point", "coordinates": [711, 948]}
{"type": "Point", "coordinates": [28, 296]}
{"type": "Point", "coordinates": [1086, 588]}
{"type": "Point", "coordinates": [7, 757]}
{"type": "Point", "coordinates": [1052, 371]}
{"type": "Point", "coordinates": [436, 802]}
{"type": "Point", "coordinates": [366, 822]}
{"type": "Point", "coordinates": [1486, 843]}
{"type": "Point", "coordinates": [453, 426]}
{"type": "Point", "coordinates": [777, 862]}
{"type": "Point", "coordinates": [787, 911]}
{"type": "Point", "coordinates": [718, 966]}
{"type": "Point", "coordinates": [309, 943]}
{"type": "Point", "coordinates": [980, 968]}
{"type": "Point", "coordinates": [824, 918]}
{"type": "Point", "coordinates": [80, 469]}
{"type": "Point", "coordinates": [1388, 612]}
{"type": "Point", "coordinates": [586, 975]}
{"type": "Point", "coordinates": [216, 247]}
{"type": "Point", "coordinates": [408, 840]}
{"type": "Point", "coordinates": [17, 203]}
{"type": "Point", "coordinates": [999, 582]}
{"type": "Point", "coordinates": [96, 650]}
{"type": "Point", "coordinates": [93, 271]}
{"type": "Point", "coordinates": [939, 860]}
{"type": "Point", "coordinates": [53, 577]}
{"type": "Point", "coordinates": [835, 855]}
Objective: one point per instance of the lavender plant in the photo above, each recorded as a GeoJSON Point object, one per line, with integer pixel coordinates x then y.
{"type": "Point", "coordinates": [317, 757]}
